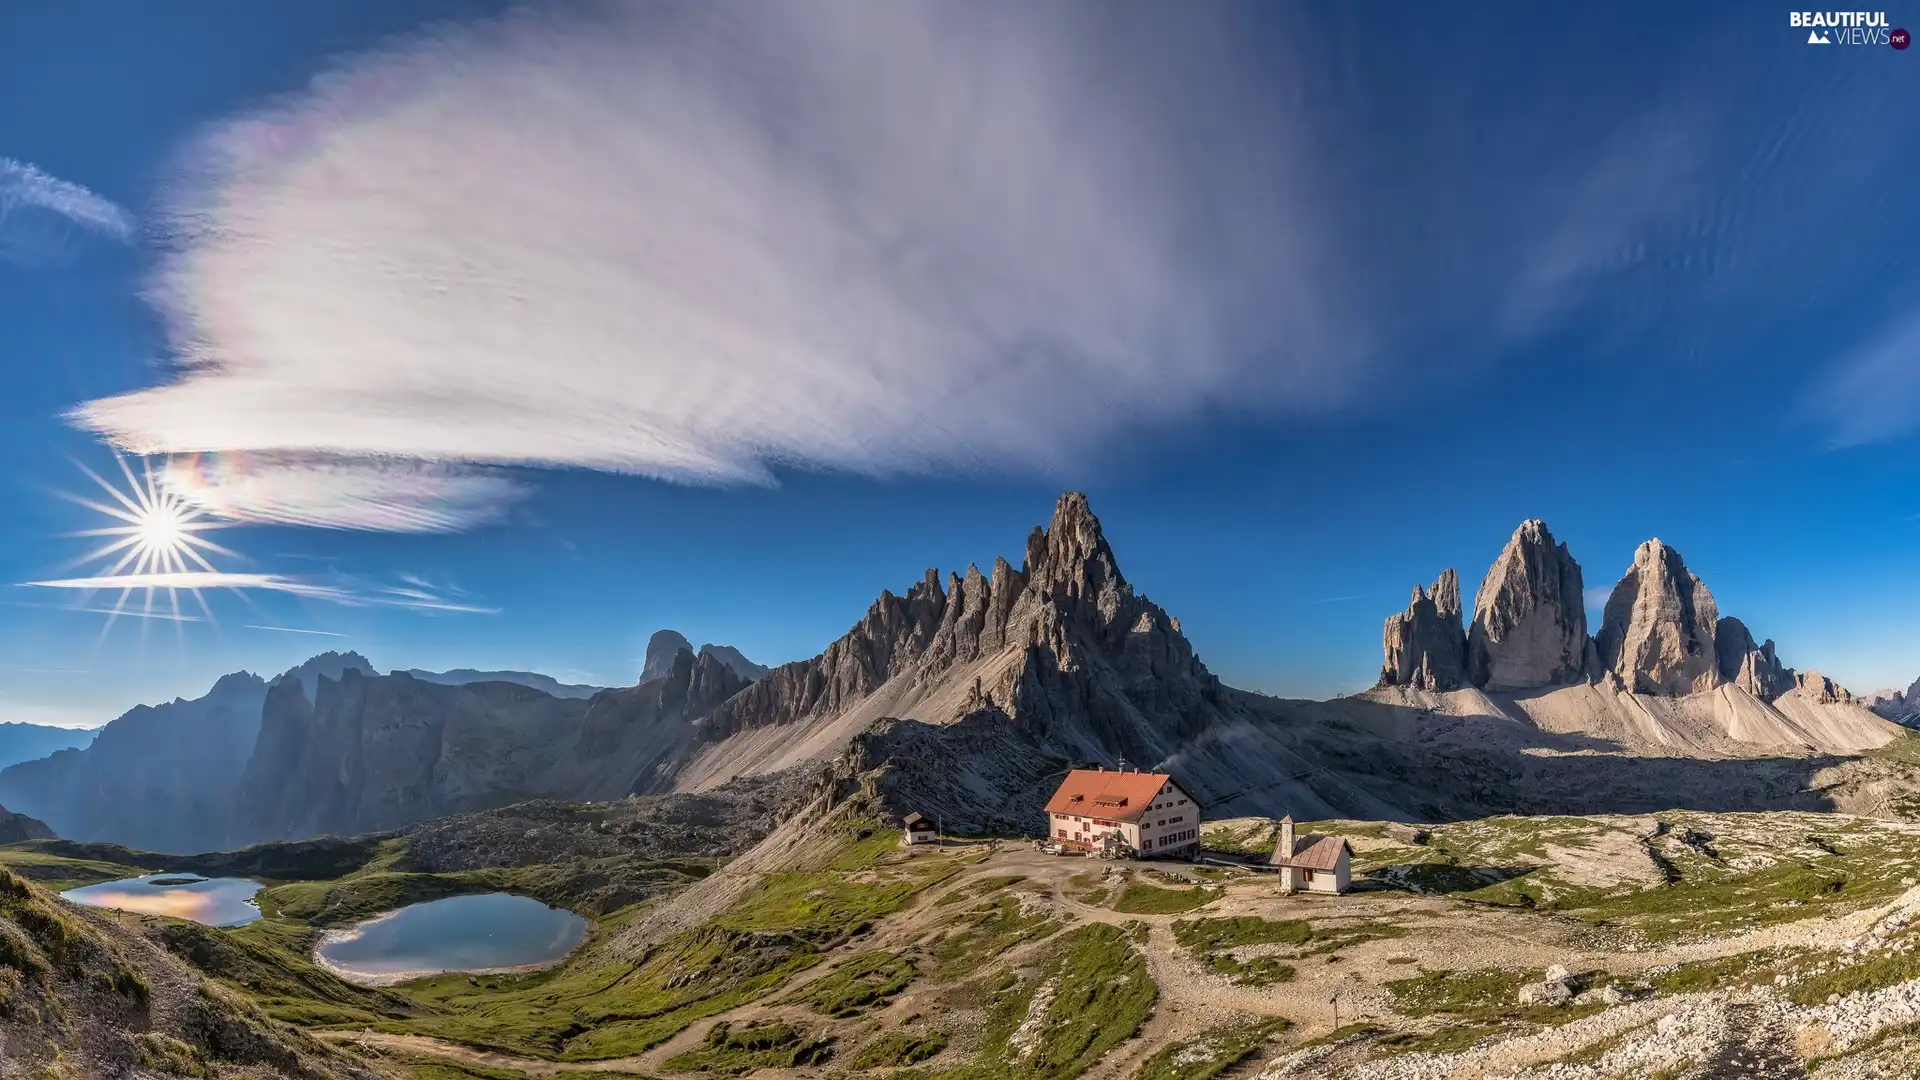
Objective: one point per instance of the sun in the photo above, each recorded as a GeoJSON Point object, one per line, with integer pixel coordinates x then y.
{"type": "Point", "coordinates": [157, 534]}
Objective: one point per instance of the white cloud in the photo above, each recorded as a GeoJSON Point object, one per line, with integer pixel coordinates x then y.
{"type": "Point", "coordinates": [340, 590]}
{"type": "Point", "coordinates": [388, 496]}
{"type": "Point", "coordinates": [694, 242]}
{"type": "Point", "coordinates": [295, 630]}
{"type": "Point", "coordinates": [41, 215]}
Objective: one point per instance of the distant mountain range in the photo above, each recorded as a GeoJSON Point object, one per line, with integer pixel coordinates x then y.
{"type": "Point", "coordinates": [1901, 708]}
{"type": "Point", "coordinates": [546, 684]}
{"type": "Point", "coordinates": [200, 775]}
{"type": "Point", "coordinates": [25, 742]}
{"type": "Point", "coordinates": [963, 698]}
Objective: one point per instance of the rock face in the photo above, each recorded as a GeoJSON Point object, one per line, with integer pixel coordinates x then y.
{"type": "Point", "coordinates": [1901, 708]}
{"type": "Point", "coordinates": [1529, 617]}
{"type": "Point", "coordinates": [1657, 636]}
{"type": "Point", "coordinates": [1426, 645]}
{"type": "Point", "coordinates": [664, 644]}
{"type": "Point", "coordinates": [160, 777]}
{"type": "Point", "coordinates": [1820, 689]}
{"type": "Point", "coordinates": [382, 752]}
{"type": "Point", "coordinates": [1754, 668]}
{"type": "Point", "coordinates": [661, 648]}
{"type": "Point", "coordinates": [1062, 644]}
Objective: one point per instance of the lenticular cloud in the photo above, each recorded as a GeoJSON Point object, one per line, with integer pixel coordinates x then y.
{"type": "Point", "coordinates": [693, 245]}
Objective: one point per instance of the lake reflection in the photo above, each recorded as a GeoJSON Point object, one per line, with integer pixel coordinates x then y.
{"type": "Point", "coordinates": [212, 901]}
{"type": "Point", "coordinates": [487, 932]}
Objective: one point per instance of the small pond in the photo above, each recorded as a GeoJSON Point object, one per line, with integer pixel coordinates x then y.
{"type": "Point", "coordinates": [213, 901]}
{"type": "Point", "coordinates": [479, 933]}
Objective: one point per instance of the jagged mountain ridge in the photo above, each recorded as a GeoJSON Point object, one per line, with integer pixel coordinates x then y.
{"type": "Point", "coordinates": [664, 645]}
{"type": "Point", "coordinates": [1063, 643]}
{"type": "Point", "coordinates": [1667, 673]}
{"type": "Point", "coordinates": [373, 752]}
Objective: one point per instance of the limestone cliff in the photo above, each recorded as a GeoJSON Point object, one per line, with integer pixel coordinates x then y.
{"type": "Point", "coordinates": [1657, 636]}
{"type": "Point", "coordinates": [1426, 645]}
{"type": "Point", "coordinates": [1529, 617]}
{"type": "Point", "coordinates": [1754, 668]}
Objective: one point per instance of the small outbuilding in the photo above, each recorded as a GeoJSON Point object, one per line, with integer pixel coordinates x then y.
{"type": "Point", "coordinates": [918, 830]}
{"type": "Point", "coordinates": [1312, 863]}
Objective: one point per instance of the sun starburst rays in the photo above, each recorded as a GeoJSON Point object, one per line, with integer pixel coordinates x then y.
{"type": "Point", "coordinates": [158, 534]}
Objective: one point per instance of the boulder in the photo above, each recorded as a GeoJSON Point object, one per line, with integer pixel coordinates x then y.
{"type": "Point", "coordinates": [1552, 993]}
{"type": "Point", "coordinates": [1657, 636]}
{"type": "Point", "coordinates": [1529, 617]}
{"type": "Point", "coordinates": [1426, 645]}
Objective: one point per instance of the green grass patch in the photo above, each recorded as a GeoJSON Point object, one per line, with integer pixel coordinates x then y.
{"type": "Point", "coordinates": [60, 872]}
{"type": "Point", "coordinates": [1213, 942]}
{"type": "Point", "coordinates": [1208, 1055]}
{"type": "Point", "coordinates": [1856, 975]}
{"type": "Point", "coordinates": [1142, 899]}
{"type": "Point", "coordinates": [983, 933]}
{"type": "Point", "coordinates": [856, 984]}
{"type": "Point", "coordinates": [1487, 996]}
{"type": "Point", "coordinates": [731, 1051]}
{"type": "Point", "coordinates": [899, 1048]}
{"type": "Point", "coordinates": [600, 1004]}
{"type": "Point", "coordinates": [1091, 993]}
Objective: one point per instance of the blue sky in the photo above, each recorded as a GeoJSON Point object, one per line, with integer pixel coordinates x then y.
{"type": "Point", "coordinates": [502, 337]}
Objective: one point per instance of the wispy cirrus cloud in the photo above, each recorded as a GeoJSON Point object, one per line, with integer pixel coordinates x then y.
{"type": "Point", "coordinates": [338, 590]}
{"type": "Point", "coordinates": [295, 630]}
{"type": "Point", "coordinates": [43, 218]}
{"type": "Point", "coordinates": [1873, 394]}
{"type": "Point", "coordinates": [700, 242]}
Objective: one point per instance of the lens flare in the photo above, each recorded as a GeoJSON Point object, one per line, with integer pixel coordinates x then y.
{"type": "Point", "coordinates": [157, 538]}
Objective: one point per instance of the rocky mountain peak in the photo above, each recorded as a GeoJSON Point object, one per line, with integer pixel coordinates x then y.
{"type": "Point", "coordinates": [1084, 656]}
{"type": "Point", "coordinates": [1657, 636]}
{"type": "Point", "coordinates": [1426, 645]}
{"type": "Point", "coordinates": [1529, 617]}
{"type": "Point", "coordinates": [661, 649]}
{"type": "Point", "coordinates": [1754, 668]}
{"type": "Point", "coordinates": [329, 665]}
{"type": "Point", "coordinates": [1071, 555]}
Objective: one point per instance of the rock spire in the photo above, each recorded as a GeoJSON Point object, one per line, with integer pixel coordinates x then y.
{"type": "Point", "coordinates": [1529, 617]}
{"type": "Point", "coordinates": [1658, 634]}
{"type": "Point", "coordinates": [1426, 645]}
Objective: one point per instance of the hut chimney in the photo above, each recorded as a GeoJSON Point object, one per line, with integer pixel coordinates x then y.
{"type": "Point", "coordinates": [1286, 836]}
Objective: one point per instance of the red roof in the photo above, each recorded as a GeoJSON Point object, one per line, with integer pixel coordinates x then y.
{"type": "Point", "coordinates": [1107, 795]}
